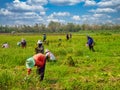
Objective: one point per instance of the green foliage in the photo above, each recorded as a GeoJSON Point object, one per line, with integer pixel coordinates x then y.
{"type": "Point", "coordinates": [69, 61]}
{"type": "Point", "coordinates": [56, 27]}
{"type": "Point", "coordinates": [76, 68]}
{"type": "Point", "coordinates": [105, 33]}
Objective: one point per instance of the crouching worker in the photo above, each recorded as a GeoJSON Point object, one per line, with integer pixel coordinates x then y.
{"type": "Point", "coordinates": [49, 55]}
{"type": "Point", "coordinates": [5, 45]}
{"type": "Point", "coordinates": [38, 60]}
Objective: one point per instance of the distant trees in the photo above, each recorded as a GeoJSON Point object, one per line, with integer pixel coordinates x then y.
{"type": "Point", "coordinates": [54, 26]}
{"type": "Point", "coordinates": [57, 27]}
{"type": "Point", "coordinates": [4, 29]}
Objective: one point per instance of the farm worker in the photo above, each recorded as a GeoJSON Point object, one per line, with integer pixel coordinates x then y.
{"type": "Point", "coordinates": [40, 47]}
{"type": "Point", "coordinates": [67, 36]}
{"type": "Point", "coordinates": [70, 35]}
{"type": "Point", "coordinates": [44, 37]}
{"type": "Point", "coordinates": [90, 43]}
{"type": "Point", "coordinates": [50, 55]}
{"type": "Point", "coordinates": [19, 44]}
{"type": "Point", "coordinates": [5, 45]}
{"type": "Point", "coordinates": [23, 43]}
{"type": "Point", "coordinates": [38, 60]}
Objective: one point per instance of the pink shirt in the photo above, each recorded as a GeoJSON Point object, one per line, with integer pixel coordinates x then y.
{"type": "Point", "coordinates": [39, 59]}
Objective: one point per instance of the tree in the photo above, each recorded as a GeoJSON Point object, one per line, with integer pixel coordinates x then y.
{"type": "Point", "coordinates": [54, 26]}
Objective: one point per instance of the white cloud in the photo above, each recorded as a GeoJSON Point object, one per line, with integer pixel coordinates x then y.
{"type": "Point", "coordinates": [27, 18]}
{"type": "Point", "coordinates": [105, 4]}
{"type": "Point", "coordinates": [21, 12]}
{"type": "Point", "coordinates": [108, 21]}
{"type": "Point", "coordinates": [16, 1]}
{"type": "Point", "coordinates": [59, 14]}
{"type": "Point", "coordinates": [36, 2]}
{"type": "Point", "coordinates": [42, 13]}
{"type": "Point", "coordinates": [96, 19]}
{"type": "Point", "coordinates": [55, 20]}
{"type": "Point", "coordinates": [101, 16]}
{"type": "Point", "coordinates": [103, 10]}
{"type": "Point", "coordinates": [34, 11]}
{"type": "Point", "coordinates": [65, 2]}
{"type": "Point", "coordinates": [109, 3]}
{"type": "Point", "coordinates": [5, 12]}
{"type": "Point", "coordinates": [98, 15]}
{"type": "Point", "coordinates": [90, 3]}
{"type": "Point", "coordinates": [30, 14]}
{"type": "Point", "coordinates": [76, 18]}
{"type": "Point", "coordinates": [88, 19]}
{"type": "Point", "coordinates": [19, 5]}
{"type": "Point", "coordinates": [58, 17]}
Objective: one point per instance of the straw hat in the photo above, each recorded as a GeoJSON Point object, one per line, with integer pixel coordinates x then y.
{"type": "Point", "coordinates": [39, 42]}
{"type": "Point", "coordinates": [46, 51]}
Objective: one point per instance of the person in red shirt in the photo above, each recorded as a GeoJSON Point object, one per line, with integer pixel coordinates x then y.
{"type": "Point", "coordinates": [38, 60]}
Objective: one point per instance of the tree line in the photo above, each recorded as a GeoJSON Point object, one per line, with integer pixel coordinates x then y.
{"type": "Point", "coordinates": [56, 27]}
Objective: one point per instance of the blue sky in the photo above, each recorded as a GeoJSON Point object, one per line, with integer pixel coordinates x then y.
{"type": "Point", "coordinates": [30, 12]}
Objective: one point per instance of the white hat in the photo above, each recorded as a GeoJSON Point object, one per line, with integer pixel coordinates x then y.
{"type": "Point", "coordinates": [46, 51]}
{"type": "Point", "coordinates": [39, 42]}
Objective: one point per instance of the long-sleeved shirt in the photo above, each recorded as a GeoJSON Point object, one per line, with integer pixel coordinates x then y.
{"type": "Point", "coordinates": [40, 60]}
{"type": "Point", "coordinates": [90, 41]}
{"type": "Point", "coordinates": [51, 56]}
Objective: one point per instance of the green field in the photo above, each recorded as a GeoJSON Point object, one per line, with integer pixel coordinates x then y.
{"type": "Point", "coordinates": [99, 70]}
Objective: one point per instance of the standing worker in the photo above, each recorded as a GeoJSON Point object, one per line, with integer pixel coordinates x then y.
{"type": "Point", "coordinates": [40, 47]}
{"type": "Point", "coordinates": [67, 36]}
{"type": "Point", "coordinates": [90, 43]}
{"type": "Point", "coordinates": [70, 35]}
{"type": "Point", "coordinates": [44, 37]}
{"type": "Point", "coordinates": [38, 60]}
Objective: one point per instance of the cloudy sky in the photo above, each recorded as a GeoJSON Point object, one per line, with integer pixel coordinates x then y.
{"type": "Point", "coordinates": [30, 12]}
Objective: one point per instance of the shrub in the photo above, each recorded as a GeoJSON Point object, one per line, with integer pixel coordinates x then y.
{"type": "Point", "coordinates": [69, 61]}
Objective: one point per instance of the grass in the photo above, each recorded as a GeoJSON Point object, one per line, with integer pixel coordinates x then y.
{"type": "Point", "coordinates": [89, 70]}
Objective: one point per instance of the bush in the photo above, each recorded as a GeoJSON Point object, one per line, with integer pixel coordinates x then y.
{"type": "Point", "coordinates": [69, 61]}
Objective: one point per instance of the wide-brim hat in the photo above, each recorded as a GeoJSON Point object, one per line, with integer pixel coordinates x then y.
{"type": "Point", "coordinates": [30, 62]}
{"type": "Point", "coordinates": [46, 51]}
{"type": "Point", "coordinates": [39, 42]}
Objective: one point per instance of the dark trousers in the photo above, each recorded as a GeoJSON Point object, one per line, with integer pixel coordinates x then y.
{"type": "Point", "coordinates": [41, 71]}
{"type": "Point", "coordinates": [91, 48]}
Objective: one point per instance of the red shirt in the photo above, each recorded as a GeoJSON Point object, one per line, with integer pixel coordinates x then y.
{"type": "Point", "coordinates": [39, 59]}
